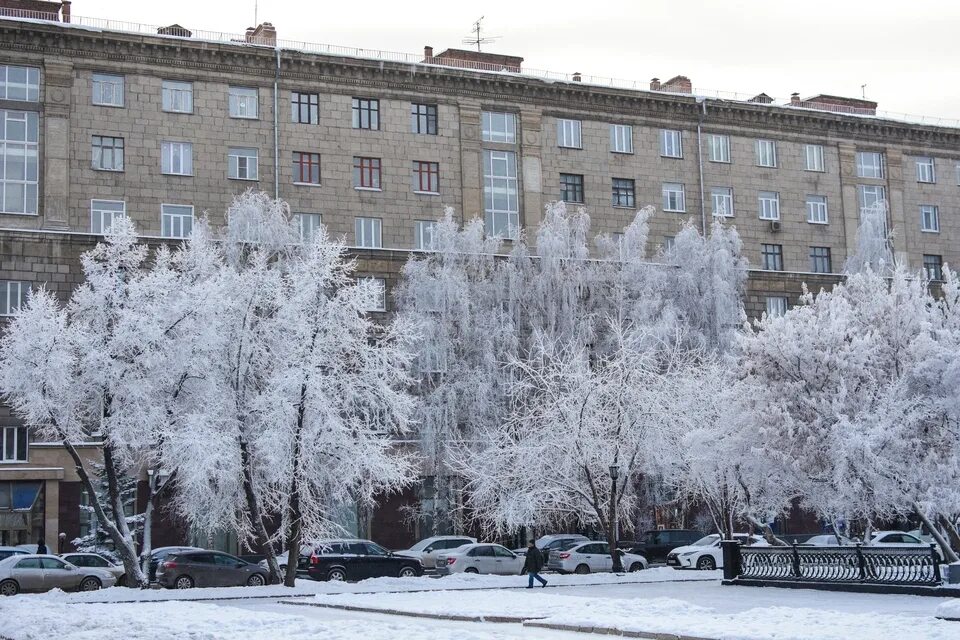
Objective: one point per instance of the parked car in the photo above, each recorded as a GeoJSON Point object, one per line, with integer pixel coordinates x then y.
{"type": "Point", "coordinates": [900, 539]}
{"type": "Point", "coordinates": [590, 557]}
{"type": "Point", "coordinates": [97, 561]}
{"type": "Point", "coordinates": [552, 541]}
{"type": "Point", "coordinates": [655, 545]}
{"type": "Point", "coordinates": [6, 552]}
{"type": "Point", "coordinates": [188, 569]}
{"type": "Point", "coordinates": [35, 572]}
{"type": "Point", "coordinates": [480, 558]}
{"type": "Point", "coordinates": [705, 553]}
{"type": "Point", "coordinates": [427, 550]}
{"type": "Point", "coordinates": [302, 561]}
{"type": "Point", "coordinates": [350, 559]}
{"type": "Point", "coordinates": [826, 540]}
{"type": "Point", "coordinates": [160, 554]}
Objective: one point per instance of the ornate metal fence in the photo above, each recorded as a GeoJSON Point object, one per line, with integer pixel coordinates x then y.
{"type": "Point", "coordinates": [851, 564]}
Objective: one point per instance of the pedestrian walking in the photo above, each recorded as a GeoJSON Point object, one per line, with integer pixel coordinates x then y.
{"type": "Point", "coordinates": [41, 548]}
{"type": "Point", "coordinates": [533, 565]}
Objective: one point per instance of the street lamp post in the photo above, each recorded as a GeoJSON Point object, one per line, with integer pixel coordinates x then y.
{"type": "Point", "coordinates": [615, 552]}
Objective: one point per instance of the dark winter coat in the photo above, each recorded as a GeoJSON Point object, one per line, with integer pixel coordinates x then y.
{"type": "Point", "coordinates": [42, 548]}
{"type": "Point", "coordinates": [534, 561]}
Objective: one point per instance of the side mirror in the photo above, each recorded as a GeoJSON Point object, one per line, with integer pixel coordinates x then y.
{"type": "Point", "coordinates": [428, 550]}
{"type": "Point", "coordinates": [621, 552]}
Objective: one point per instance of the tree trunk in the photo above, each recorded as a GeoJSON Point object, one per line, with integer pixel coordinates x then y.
{"type": "Point", "coordinates": [948, 553]}
{"type": "Point", "coordinates": [256, 516]}
{"type": "Point", "coordinates": [951, 530]}
{"type": "Point", "coordinates": [294, 512]}
{"type": "Point", "coordinates": [768, 534]}
{"type": "Point", "coordinates": [836, 533]}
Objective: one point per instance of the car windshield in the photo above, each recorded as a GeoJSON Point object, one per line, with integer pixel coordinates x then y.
{"type": "Point", "coordinates": [706, 541]}
{"type": "Point", "coordinates": [423, 544]}
{"type": "Point", "coordinates": [569, 544]}
{"type": "Point", "coordinates": [376, 549]}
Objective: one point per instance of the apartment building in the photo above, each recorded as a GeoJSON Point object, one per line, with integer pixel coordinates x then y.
{"type": "Point", "coordinates": [165, 125]}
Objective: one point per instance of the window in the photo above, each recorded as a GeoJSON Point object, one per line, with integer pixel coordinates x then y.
{"type": "Point", "coordinates": [501, 195]}
{"type": "Point", "coordinates": [20, 83]}
{"type": "Point", "coordinates": [176, 158]}
{"type": "Point", "coordinates": [929, 218]}
{"type": "Point", "coordinates": [673, 199]}
{"type": "Point", "coordinates": [769, 205]}
{"type": "Point", "coordinates": [103, 213]}
{"type": "Point", "coordinates": [670, 145]}
{"type": "Point", "coordinates": [177, 97]}
{"type": "Point", "coordinates": [668, 242]}
{"type": "Point", "coordinates": [244, 102]}
{"type": "Point", "coordinates": [772, 257]}
{"type": "Point", "coordinates": [19, 161]}
{"type": "Point", "coordinates": [309, 224]}
{"type": "Point", "coordinates": [722, 201]}
{"type": "Point", "coordinates": [107, 153]}
{"type": "Point", "coordinates": [870, 196]}
{"type": "Point", "coordinates": [424, 235]}
{"type": "Point", "coordinates": [776, 306]}
{"type": "Point", "coordinates": [426, 177]}
{"type": "Point", "coordinates": [107, 90]}
{"type": "Point", "coordinates": [621, 138]}
{"type": "Point", "coordinates": [814, 156]}
{"type": "Point", "coordinates": [380, 299]}
{"type": "Point", "coordinates": [13, 295]}
{"type": "Point", "coordinates": [817, 209]}
{"type": "Point", "coordinates": [926, 170]}
{"type": "Point", "coordinates": [958, 173]}
{"type": "Point", "coordinates": [305, 107]}
{"type": "Point", "coordinates": [242, 163]}
{"type": "Point", "coordinates": [933, 267]}
{"type": "Point", "coordinates": [306, 167]}
{"type": "Point", "coordinates": [820, 260]}
{"type": "Point", "coordinates": [568, 134]}
{"type": "Point", "coordinates": [499, 127]}
{"type": "Point", "coordinates": [176, 220]}
{"type": "Point", "coordinates": [766, 153]}
{"type": "Point", "coordinates": [423, 118]}
{"type": "Point", "coordinates": [718, 147]}
{"type": "Point", "coordinates": [366, 173]}
{"type": "Point", "coordinates": [870, 164]}
{"type": "Point", "coordinates": [623, 192]}
{"type": "Point", "coordinates": [367, 232]}
{"type": "Point", "coordinates": [366, 113]}
{"type": "Point", "coordinates": [571, 188]}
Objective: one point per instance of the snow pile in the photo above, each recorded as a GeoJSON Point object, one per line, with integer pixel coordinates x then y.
{"type": "Point", "coordinates": [949, 610]}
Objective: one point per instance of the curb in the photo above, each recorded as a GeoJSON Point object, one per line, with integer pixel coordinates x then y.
{"type": "Point", "coordinates": [412, 614]}
{"type": "Point", "coordinates": [609, 631]}
{"type": "Point", "coordinates": [212, 599]}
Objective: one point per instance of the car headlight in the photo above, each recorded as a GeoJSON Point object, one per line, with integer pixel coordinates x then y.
{"type": "Point", "coordinates": [687, 554]}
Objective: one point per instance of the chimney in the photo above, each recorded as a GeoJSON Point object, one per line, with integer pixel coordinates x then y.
{"type": "Point", "coordinates": [65, 11]}
{"type": "Point", "coordinates": [576, 76]}
{"type": "Point", "coordinates": [427, 53]}
{"type": "Point", "coordinates": [794, 98]}
{"type": "Point", "coordinates": [655, 84]}
{"type": "Point", "coordinates": [264, 33]}
{"type": "Point", "coordinates": [677, 84]}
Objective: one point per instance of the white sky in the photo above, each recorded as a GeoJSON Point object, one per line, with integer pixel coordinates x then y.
{"type": "Point", "coordinates": [907, 53]}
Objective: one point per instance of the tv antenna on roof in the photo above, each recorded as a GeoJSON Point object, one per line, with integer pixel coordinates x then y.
{"type": "Point", "coordinates": [477, 38]}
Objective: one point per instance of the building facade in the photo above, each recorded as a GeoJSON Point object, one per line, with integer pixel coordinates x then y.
{"type": "Point", "coordinates": [167, 126]}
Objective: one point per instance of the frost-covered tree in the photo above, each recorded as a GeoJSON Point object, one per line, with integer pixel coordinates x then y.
{"type": "Point", "coordinates": [874, 242]}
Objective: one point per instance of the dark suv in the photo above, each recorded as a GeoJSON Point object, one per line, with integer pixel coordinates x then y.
{"type": "Point", "coordinates": [359, 559]}
{"type": "Point", "coordinates": [655, 545]}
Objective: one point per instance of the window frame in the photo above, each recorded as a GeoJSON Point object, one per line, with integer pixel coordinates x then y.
{"type": "Point", "coordinates": [176, 217]}
{"type": "Point", "coordinates": [308, 223]}
{"type": "Point", "coordinates": [926, 165]}
{"type": "Point", "coordinates": [167, 157]}
{"type": "Point", "coordinates": [375, 231]}
{"type": "Point", "coordinates": [365, 113]}
{"type": "Point", "coordinates": [621, 138]}
{"type": "Point", "coordinates": [671, 143]}
{"type": "Point", "coordinates": [820, 262]}
{"type": "Point", "coordinates": [572, 183]}
{"type": "Point", "coordinates": [233, 153]}
{"type": "Point", "coordinates": [677, 204]}
{"type": "Point", "coordinates": [934, 210]}
{"type": "Point", "coordinates": [298, 104]}
{"type": "Point", "coordinates": [727, 196]}
{"type": "Point", "coordinates": [507, 186]}
{"type": "Point", "coordinates": [31, 85]}
{"type": "Point", "coordinates": [367, 173]}
{"type": "Point", "coordinates": [626, 190]}
{"type": "Point", "coordinates": [774, 252]}
{"type": "Point", "coordinates": [874, 170]}
{"type": "Point", "coordinates": [312, 166]}
{"type": "Point", "coordinates": [507, 135]}
{"type": "Point", "coordinates": [103, 230]}
{"type": "Point", "coordinates": [429, 169]}
{"type": "Point", "coordinates": [101, 156]}
{"type": "Point", "coordinates": [814, 206]}
{"type": "Point", "coordinates": [779, 308]}
{"type": "Point", "coordinates": [936, 265]}
{"type": "Point", "coordinates": [762, 147]}
{"type": "Point", "coordinates": [238, 98]}
{"type": "Point", "coordinates": [174, 92]}
{"type": "Point", "coordinates": [569, 133]}
{"type": "Point", "coordinates": [424, 118]}
{"type": "Point", "coordinates": [862, 190]}
{"type": "Point", "coordinates": [764, 197]}
{"type": "Point", "coordinates": [424, 235]}
{"type": "Point", "coordinates": [718, 152]}
{"type": "Point", "coordinates": [819, 163]}
{"type": "Point", "coordinates": [7, 297]}
{"type": "Point", "coordinates": [97, 82]}
{"type": "Point", "coordinates": [12, 149]}
{"type": "Point", "coordinates": [381, 305]}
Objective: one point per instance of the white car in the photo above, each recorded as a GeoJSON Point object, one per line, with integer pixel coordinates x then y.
{"type": "Point", "coordinates": [97, 561]}
{"type": "Point", "coordinates": [900, 539]}
{"type": "Point", "coordinates": [705, 553]}
{"type": "Point", "coordinates": [827, 540]}
{"type": "Point", "coordinates": [588, 557]}
{"type": "Point", "coordinates": [427, 550]}
{"type": "Point", "coordinates": [552, 541]}
{"type": "Point", "coordinates": [480, 558]}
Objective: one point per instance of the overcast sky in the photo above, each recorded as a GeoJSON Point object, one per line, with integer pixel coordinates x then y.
{"type": "Point", "coordinates": [907, 53]}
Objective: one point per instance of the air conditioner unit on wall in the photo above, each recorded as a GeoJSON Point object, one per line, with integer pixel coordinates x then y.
{"type": "Point", "coordinates": [774, 225]}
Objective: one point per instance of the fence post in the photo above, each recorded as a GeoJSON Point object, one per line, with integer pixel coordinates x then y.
{"type": "Point", "coordinates": [936, 563]}
{"type": "Point", "coordinates": [862, 563]}
{"type": "Point", "coordinates": [732, 562]}
{"type": "Point", "coordinates": [796, 561]}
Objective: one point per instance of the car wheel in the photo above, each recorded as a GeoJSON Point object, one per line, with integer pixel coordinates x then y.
{"type": "Point", "coordinates": [256, 580]}
{"type": "Point", "coordinates": [337, 575]}
{"type": "Point", "coordinates": [9, 588]}
{"type": "Point", "coordinates": [90, 584]}
{"type": "Point", "coordinates": [636, 566]}
{"type": "Point", "coordinates": [184, 582]}
{"type": "Point", "coordinates": [582, 569]}
{"type": "Point", "coordinates": [471, 570]}
{"type": "Point", "coordinates": [408, 572]}
{"type": "Point", "coordinates": [706, 563]}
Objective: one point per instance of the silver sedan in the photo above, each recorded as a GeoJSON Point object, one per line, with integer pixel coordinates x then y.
{"type": "Point", "coordinates": [34, 572]}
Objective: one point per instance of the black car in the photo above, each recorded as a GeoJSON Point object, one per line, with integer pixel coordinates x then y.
{"type": "Point", "coordinates": [359, 559]}
{"type": "Point", "coordinates": [208, 569]}
{"type": "Point", "coordinates": [655, 545]}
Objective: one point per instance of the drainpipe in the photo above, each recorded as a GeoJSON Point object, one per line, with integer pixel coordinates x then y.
{"type": "Point", "coordinates": [703, 201]}
{"type": "Point", "coordinates": [276, 129]}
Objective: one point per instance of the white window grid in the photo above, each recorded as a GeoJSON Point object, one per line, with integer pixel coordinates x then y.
{"type": "Point", "coordinates": [243, 163]}
{"type": "Point", "coordinates": [501, 194]}
{"type": "Point", "coordinates": [244, 102]}
{"type": "Point", "coordinates": [177, 97]}
{"type": "Point", "coordinates": [20, 158]}
{"type": "Point", "coordinates": [870, 195]}
{"type": "Point", "coordinates": [309, 224]}
{"type": "Point", "coordinates": [722, 201]}
{"type": "Point", "coordinates": [930, 218]}
{"type": "Point", "coordinates": [103, 213]}
{"type": "Point", "coordinates": [15, 445]}
{"type": "Point", "coordinates": [958, 174]}
{"type": "Point", "coordinates": [368, 232]}
{"type": "Point", "coordinates": [718, 147]}
{"type": "Point", "coordinates": [499, 127]}
{"type": "Point", "coordinates": [814, 157]}
{"type": "Point", "coordinates": [176, 158]}
{"type": "Point", "coordinates": [176, 220]}
{"type": "Point", "coordinates": [817, 209]}
{"type": "Point", "coordinates": [769, 205]}
{"type": "Point", "coordinates": [19, 83]}
{"type": "Point", "coordinates": [673, 197]}
{"type": "Point", "coordinates": [107, 90]}
{"type": "Point", "coordinates": [766, 153]}
{"type": "Point", "coordinates": [380, 301]}
{"type": "Point", "coordinates": [621, 138]}
{"type": "Point", "coordinates": [871, 164]}
{"type": "Point", "coordinates": [926, 170]}
{"type": "Point", "coordinates": [569, 133]}
{"type": "Point", "coordinates": [671, 143]}
{"type": "Point", "coordinates": [13, 295]}
{"type": "Point", "coordinates": [424, 235]}
{"type": "Point", "coordinates": [107, 153]}
{"type": "Point", "coordinates": [776, 306]}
